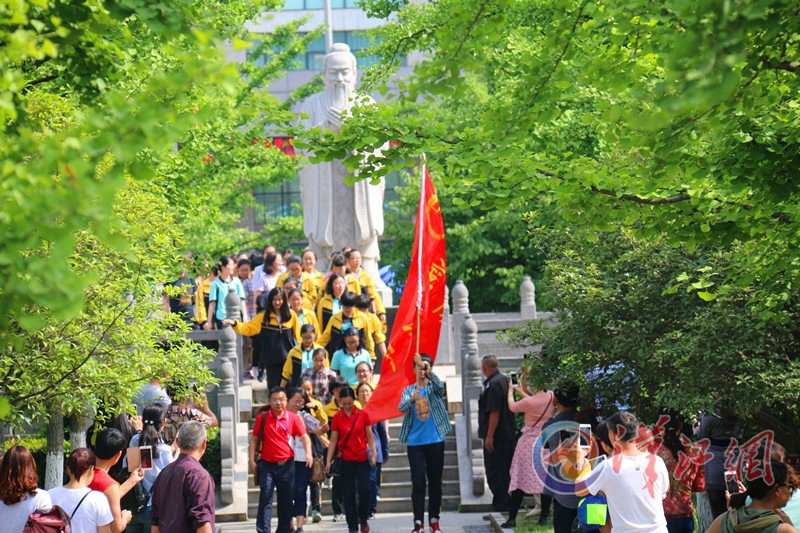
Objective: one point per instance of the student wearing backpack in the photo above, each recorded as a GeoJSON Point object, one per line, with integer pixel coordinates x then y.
{"type": "Point", "coordinates": [19, 495]}
{"type": "Point", "coordinates": [88, 509]}
{"type": "Point", "coordinates": [109, 448]}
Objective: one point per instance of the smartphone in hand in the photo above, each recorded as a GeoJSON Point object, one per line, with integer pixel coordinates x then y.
{"type": "Point", "coordinates": [146, 457]}
{"type": "Point", "coordinates": [514, 378]}
{"type": "Point", "coordinates": [585, 436]}
{"type": "Point", "coordinates": [731, 483]}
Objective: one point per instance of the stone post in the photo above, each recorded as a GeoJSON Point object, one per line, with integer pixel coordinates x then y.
{"type": "Point", "coordinates": [471, 390]}
{"type": "Point", "coordinates": [54, 471]}
{"type": "Point", "coordinates": [445, 353]}
{"type": "Point", "coordinates": [228, 398]}
{"type": "Point", "coordinates": [527, 296]}
{"type": "Point", "coordinates": [460, 310]}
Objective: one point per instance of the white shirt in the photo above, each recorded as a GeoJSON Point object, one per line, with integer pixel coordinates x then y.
{"type": "Point", "coordinates": [262, 281]}
{"type": "Point", "coordinates": [92, 513]}
{"type": "Point", "coordinates": [13, 517]}
{"type": "Point", "coordinates": [297, 442]}
{"type": "Point", "coordinates": [164, 458]}
{"type": "Point", "coordinates": [634, 501]}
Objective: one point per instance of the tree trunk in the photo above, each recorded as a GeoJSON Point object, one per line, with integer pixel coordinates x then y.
{"type": "Point", "coordinates": [54, 473]}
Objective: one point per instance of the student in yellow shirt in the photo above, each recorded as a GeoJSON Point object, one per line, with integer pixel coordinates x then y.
{"type": "Point", "coordinates": [301, 357]}
{"type": "Point", "coordinates": [330, 303]}
{"type": "Point", "coordinates": [375, 328]}
{"type": "Point", "coordinates": [349, 317]}
{"type": "Point", "coordinates": [295, 278]}
{"type": "Point", "coordinates": [201, 296]}
{"type": "Point", "coordinates": [310, 269]}
{"type": "Point", "coordinates": [305, 315]}
{"type": "Point", "coordinates": [274, 336]}
{"type": "Point", "coordinates": [365, 281]}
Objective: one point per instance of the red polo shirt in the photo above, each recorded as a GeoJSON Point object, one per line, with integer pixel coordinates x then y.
{"type": "Point", "coordinates": [101, 481]}
{"type": "Point", "coordinates": [276, 446]}
{"type": "Point", "coordinates": [352, 443]}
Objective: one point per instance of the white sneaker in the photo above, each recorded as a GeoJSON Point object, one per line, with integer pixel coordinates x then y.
{"type": "Point", "coordinates": [338, 517]}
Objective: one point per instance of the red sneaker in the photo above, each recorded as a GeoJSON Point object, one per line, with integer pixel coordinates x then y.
{"type": "Point", "coordinates": [435, 527]}
{"type": "Point", "coordinates": [365, 528]}
{"type": "Point", "coordinates": [418, 528]}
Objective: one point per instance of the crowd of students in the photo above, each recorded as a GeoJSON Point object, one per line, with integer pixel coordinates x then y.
{"type": "Point", "coordinates": [618, 475]}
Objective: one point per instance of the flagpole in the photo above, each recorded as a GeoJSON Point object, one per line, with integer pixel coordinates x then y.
{"type": "Point", "coordinates": [421, 230]}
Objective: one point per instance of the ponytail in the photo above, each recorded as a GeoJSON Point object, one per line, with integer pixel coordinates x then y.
{"type": "Point", "coordinates": [152, 420]}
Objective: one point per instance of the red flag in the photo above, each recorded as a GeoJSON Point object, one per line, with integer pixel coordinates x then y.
{"type": "Point", "coordinates": [423, 294]}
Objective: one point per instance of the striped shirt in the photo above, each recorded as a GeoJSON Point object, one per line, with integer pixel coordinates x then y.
{"type": "Point", "coordinates": [438, 407]}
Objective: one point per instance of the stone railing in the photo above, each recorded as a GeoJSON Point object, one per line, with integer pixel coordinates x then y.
{"type": "Point", "coordinates": [465, 328]}
{"type": "Point", "coordinates": [225, 400]}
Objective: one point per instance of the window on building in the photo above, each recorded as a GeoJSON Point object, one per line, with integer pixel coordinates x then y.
{"type": "Point", "coordinates": [284, 199]}
{"type": "Point", "coordinates": [358, 42]}
{"type": "Point", "coordinates": [280, 200]}
{"type": "Point", "coordinates": [293, 5]}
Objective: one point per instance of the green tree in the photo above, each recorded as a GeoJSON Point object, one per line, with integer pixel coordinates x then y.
{"type": "Point", "coordinates": [677, 120]}
{"type": "Point", "coordinates": [631, 335]}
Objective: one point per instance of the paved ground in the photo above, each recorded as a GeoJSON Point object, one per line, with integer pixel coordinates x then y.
{"type": "Point", "coordinates": [382, 523]}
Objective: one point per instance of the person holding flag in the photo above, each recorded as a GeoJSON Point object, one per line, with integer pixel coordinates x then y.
{"type": "Point", "coordinates": [425, 425]}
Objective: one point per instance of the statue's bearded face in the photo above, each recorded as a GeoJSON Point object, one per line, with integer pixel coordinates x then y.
{"type": "Point", "coordinates": [339, 72]}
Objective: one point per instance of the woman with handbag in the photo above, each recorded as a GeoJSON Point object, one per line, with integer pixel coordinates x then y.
{"type": "Point", "coordinates": [537, 406]}
{"type": "Point", "coordinates": [352, 438]}
{"type": "Point", "coordinates": [302, 473]}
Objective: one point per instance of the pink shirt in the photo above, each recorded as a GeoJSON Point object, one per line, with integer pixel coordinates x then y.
{"type": "Point", "coordinates": [537, 408]}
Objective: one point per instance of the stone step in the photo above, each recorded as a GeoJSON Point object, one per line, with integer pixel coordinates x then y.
{"type": "Point", "coordinates": [385, 505]}
{"type": "Point", "coordinates": [394, 474]}
{"type": "Point", "coordinates": [400, 489]}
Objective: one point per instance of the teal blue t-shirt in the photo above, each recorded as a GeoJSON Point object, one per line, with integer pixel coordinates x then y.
{"type": "Point", "coordinates": [423, 431]}
{"type": "Point", "coordinates": [307, 359]}
{"type": "Point", "coordinates": [335, 306]}
{"type": "Point", "coordinates": [346, 364]}
{"type": "Point", "coordinates": [218, 293]}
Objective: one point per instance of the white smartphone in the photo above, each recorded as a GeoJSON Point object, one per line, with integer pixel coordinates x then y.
{"type": "Point", "coordinates": [585, 436]}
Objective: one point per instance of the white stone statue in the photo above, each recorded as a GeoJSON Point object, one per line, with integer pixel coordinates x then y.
{"type": "Point", "coordinates": [336, 215]}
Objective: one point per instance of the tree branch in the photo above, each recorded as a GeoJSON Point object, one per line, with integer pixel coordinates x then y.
{"type": "Point", "coordinates": [560, 57]}
{"type": "Point", "coordinates": [91, 353]}
{"type": "Point", "coordinates": [788, 66]}
{"type": "Point", "coordinates": [674, 199]}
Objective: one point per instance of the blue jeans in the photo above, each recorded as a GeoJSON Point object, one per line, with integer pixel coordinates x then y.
{"type": "Point", "coordinates": [270, 477]}
{"type": "Point", "coordinates": [302, 474]}
{"type": "Point", "coordinates": [680, 525]}
{"type": "Point", "coordinates": [374, 487]}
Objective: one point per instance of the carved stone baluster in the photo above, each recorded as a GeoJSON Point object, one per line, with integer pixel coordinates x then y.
{"type": "Point", "coordinates": [445, 353]}
{"type": "Point", "coordinates": [472, 386]}
{"type": "Point", "coordinates": [460, 310]}
{"type": "Point", "coordinates": [527, 296]}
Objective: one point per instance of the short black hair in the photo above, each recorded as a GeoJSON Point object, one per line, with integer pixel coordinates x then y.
{"type": "Point", "coordinates": [291, 391]}
{"type": "Point", "coordinates": [351, 332]}
{"type": "Point", "coordinates": [363, 301]}
{"type": "Point", "coordinates": [338, 260]}
{"type": "Point", "coordinates": [243, 262]}
{"type": "Point", "coordinates": [624, 425]}
{"type": "Point", "coordinates": [109, 442]}
{"type": "Point", "coordinates": [305, 328]}
{"type": "Point", "coordinates": [349, 299]}
{"type": "Point", "coordinates": [294, 259]}
{"type": "Point", "coordinates": [347, 392]}
{"type": "Point", "coordinates": [276, 390]}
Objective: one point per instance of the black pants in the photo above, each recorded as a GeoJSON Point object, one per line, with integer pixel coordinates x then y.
{"type": "Point", "coordinates": [498, 475]}
{"type": "Point", "coordinates": [273, 376]}
{"type": "Point", "coordinates": [355, 486]}
{"type": "Point", "coordinates": [270, 477]}
{"type": "Point", "coordinates": [516, 503]}
{"type": "Point", "coordinates": [563, 517]}
{"type": "Point", "coordinates": [337, 500]}
{"type": "Point", "coordinates": [427, 464]}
